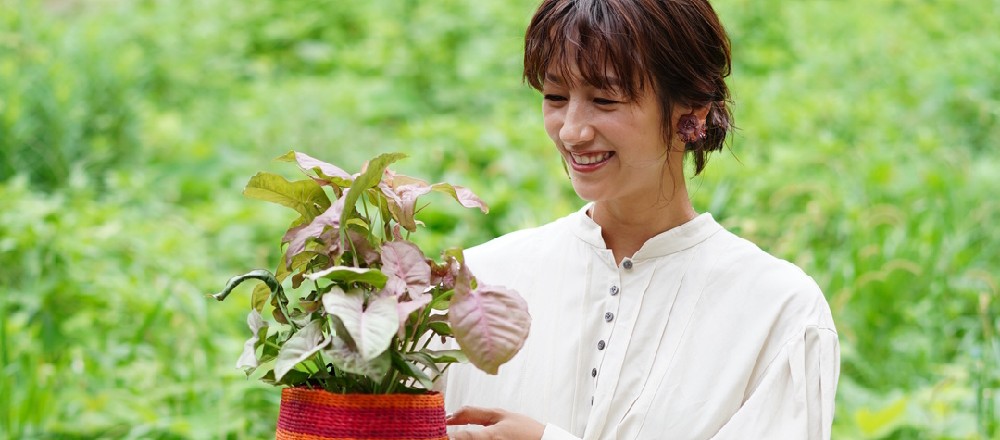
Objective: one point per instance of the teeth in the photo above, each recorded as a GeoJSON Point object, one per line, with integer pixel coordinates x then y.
{"type": "Point", "coordinates": [591, 158]}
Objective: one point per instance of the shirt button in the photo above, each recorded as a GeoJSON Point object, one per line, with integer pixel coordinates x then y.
{"type": "Point", "coordinates": [609, 316]}
{"type": "Point", "coordinates": [593, 372]}
{"type": "Point", "coordinates": [627, 264]}
{"type": "Point", "coordinates": [601, 345]}
{"type": "Point", "coordinates": [614, 290]}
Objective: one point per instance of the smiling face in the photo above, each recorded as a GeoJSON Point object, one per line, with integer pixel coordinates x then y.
{"type": "Point", "coordinates": [613, 146]}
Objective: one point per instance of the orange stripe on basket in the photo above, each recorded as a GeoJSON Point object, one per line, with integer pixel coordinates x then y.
{"type": "Point", "coordinates": [321, 397]}
{"type": "Point", "coordinates": [318, 415]}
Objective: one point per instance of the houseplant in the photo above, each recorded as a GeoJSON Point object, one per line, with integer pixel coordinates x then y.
{"type": "Point", "coordinates": [366, 309]}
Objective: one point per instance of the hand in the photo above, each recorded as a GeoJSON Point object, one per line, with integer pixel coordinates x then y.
{"type": "Point", "coordinates": [500, 425]}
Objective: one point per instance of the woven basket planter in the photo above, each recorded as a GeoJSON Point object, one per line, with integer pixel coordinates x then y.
{"type": "Point", "coordinates": [310, 414]}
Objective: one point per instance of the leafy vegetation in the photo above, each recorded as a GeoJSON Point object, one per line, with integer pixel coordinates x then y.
{"type": "Point", "coordinates": [866, 154]}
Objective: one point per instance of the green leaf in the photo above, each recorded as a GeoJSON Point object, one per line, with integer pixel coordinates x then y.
{"type": "Point", "coordinates": [411, 370]}
{"type": "Point", "coordinates": [258, 274]}
{"type": "Point", "coordinates": [447, 356]}
{"type": "Point", "coordinates": [424, 359]}
{"type": "Point", "coordinates": [304, 196]}
{"type": "Point", "coordinates": [368, 179]}
{"type": "Point", "coordinates": [259, 298]}
{"type": "Point", "coordinates": [302, 345]}
{"type": "Point", "coordinates": [349, 274]}
{"type": "Point", "coordinates": [443, 301]}
{"type": "Point", "coordinates": [441, 328]}
{"type": "Point", "coordinates": [372, 328]}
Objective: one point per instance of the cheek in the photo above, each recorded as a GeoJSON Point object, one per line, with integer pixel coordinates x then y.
{"type": "Point", "coordinates": [553, 123]}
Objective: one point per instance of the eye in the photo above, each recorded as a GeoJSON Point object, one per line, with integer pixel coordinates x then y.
{"type": "Point", "coordinates": [554, 98]}
{"type": "Point", "coordinates": [604, 101]}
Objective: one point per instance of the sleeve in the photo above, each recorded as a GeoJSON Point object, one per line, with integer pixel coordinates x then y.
{"type": "Point", "coordinates": [795, 397]}
{"type": "Point", "coordinates": [553, 432]}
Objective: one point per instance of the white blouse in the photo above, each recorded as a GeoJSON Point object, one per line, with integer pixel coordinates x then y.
{"type": "Point", "coordinates": [700, 335]}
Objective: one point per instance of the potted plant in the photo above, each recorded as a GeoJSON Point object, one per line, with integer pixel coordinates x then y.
{"type": "Point", "coordinates": [355, 338]}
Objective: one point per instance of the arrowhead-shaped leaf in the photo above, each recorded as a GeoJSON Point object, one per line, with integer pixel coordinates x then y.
{"type": "Point", "coordinates": [304, 196]}
{"type": "Point", "coordinates": [350, 274]}
{"type": "Point", "coordinates": [402, 202]}
{"type": "Point", "coordinates": [303, 344]}
{"type": "Point", "coordinates": [404, 260]}
{"type": "Point", "coordinates": [322, 169]}
{"type": "Point", "coordinates": [463, 195]}
{"type": "Point", "coordinates": [490, 323]}
{"type": "Point", "coordinates": [371, 329]}
{"type": "Point", "coordinates": [368, 179]}
{"type": "Point", "coordinates": [258, 327]}
{"type": "Point", "coordinates": [299, 235]}
{"type": "Point", "coordinates": [350, 361]}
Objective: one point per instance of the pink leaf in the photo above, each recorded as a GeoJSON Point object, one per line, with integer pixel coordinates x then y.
{"type": "Point", "coordinates": [308, 163]}
{"type": "Point", "coordinates": [298, 236]}
{"type": "Point", "coordinates": [404, 308]}
{"type": "Point", "coordinates": [403, 200]}
{"type": "Point", "coordinates": [463, 195]}
{"type": "Point", "coordinates": [404, 261]}
{"type": "Point", "coordinates": [490, 323]}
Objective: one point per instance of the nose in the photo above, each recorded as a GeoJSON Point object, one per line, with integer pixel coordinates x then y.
{"type": "Point", "coordinates": [576, 125]}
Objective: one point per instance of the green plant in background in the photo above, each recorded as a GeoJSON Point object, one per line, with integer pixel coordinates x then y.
{"type": "Point", "coordinates": [372, 303]}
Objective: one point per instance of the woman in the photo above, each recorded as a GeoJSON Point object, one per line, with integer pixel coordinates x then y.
{"type": "Point", "coordinates": [650, 320]}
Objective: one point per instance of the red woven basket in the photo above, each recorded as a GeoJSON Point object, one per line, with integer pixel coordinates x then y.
{"type": "Point", "coordinates": [310, 414]}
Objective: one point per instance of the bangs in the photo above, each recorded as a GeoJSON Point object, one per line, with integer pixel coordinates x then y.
{"type": "Point", "coordinates": [590, 36]}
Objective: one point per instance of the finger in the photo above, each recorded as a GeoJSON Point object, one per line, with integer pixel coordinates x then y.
{"type": "Point", "coordinates": [472, 415]}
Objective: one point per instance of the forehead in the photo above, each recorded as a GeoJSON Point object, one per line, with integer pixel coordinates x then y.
{"type": "Point", "coordinates": [570, 44]}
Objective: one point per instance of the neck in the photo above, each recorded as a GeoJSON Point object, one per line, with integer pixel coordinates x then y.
{"type": "Point", "coordinates": [627, 225]}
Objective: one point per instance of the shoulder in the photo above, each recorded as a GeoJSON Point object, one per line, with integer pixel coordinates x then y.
{"type": "Point", "coordinates": [520, 244]}
{"type": "Point", "coordinates": [766, 284]}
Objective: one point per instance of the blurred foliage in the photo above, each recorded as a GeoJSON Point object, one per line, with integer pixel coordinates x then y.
{"type": "Point", "coordinates": [866, 154]}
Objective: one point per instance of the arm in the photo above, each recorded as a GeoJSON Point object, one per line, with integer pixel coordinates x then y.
{"type": "Point", "coordinates": [795, 397]}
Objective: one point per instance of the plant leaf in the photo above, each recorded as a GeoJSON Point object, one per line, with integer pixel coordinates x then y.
{"type": "Point", "coordinates": [258, 328]}
{"type": "Point", "coordinates": [368, 179]}
{"type": "Point", "coordinates": [441, 328]}
{"type": "Point", "coordinates": [350, 274]}
{"type": "Point", "coordinates": [402, 202]}
{"type": "Point", "coordinates": [411, 370]}
{"type": "Point", "coordinates": [298, 235]}
{"type": "Point", "coordinates": [490, 323]}
{"type": "Point", "coordinates": [258, 274]}
{"type": "Point", "coordinates": [371, 329]}
{"type": "Point", "coordinates": [304, 196]}
{"type": "Point", "coordinates": [351, 361]}
{"type": "Point", "coordinates": [463, 195]}
{"type": "Point", "coordinates": [303, 344]}
{"type": "Point", "coordinates": [403, 260]}
{"type": "Point", "coordinates": [405, 308]}
{"type": "Point", "coordinates": [324, 170]}
{"type": "Point", "coordinates": [447, 356]}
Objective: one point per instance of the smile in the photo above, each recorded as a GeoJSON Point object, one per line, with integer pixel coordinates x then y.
{"type": "Point", "coordinates": [592, 158]}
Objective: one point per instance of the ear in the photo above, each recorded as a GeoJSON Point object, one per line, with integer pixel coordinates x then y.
{"type": "Point", "coordinates": [701, 113]}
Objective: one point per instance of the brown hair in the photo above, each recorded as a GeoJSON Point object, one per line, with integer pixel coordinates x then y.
{"type": "Point", "coordinates": [677, 46]}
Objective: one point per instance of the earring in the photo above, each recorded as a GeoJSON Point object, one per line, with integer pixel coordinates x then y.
{"type": "Point", "coordinates": [690, 130]}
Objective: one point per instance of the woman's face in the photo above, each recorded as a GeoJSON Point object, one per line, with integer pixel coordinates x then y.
{"type": "Point", "coordinates": [614, 148]}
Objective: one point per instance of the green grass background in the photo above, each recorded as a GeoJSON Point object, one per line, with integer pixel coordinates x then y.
{"type": "Point", "coordinates": [866, 153]}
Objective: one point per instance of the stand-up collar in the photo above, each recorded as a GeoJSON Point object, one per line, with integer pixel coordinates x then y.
{"type": "Point", "coordinates": [667, 242]}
